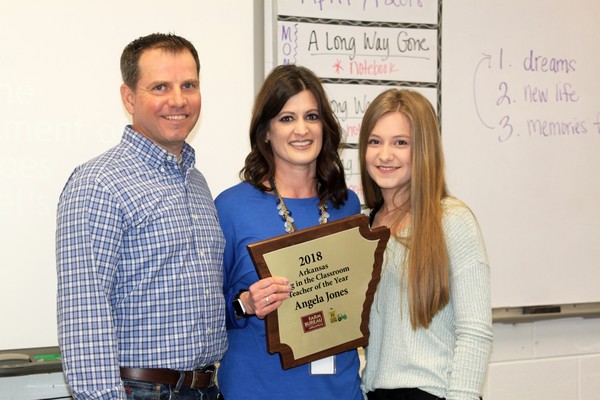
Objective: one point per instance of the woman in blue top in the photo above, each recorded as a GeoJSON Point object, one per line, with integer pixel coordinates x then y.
{"type": "Point", "coordinates": [293, 178]}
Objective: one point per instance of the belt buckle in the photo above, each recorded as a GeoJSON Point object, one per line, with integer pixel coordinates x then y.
{"type": "Point", "coordinates": [197, 372]}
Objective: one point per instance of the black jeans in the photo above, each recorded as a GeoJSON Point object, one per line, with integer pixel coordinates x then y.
{"type": "Point", "coordinates": [401, 394]}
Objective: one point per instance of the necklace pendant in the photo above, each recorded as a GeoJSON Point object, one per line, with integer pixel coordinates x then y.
{"type": "Point", "coordinates": [286, 214]}
{"type": "Point", "coordinates": [289, 226]}
{"type": "Point", "coordinates": [324, 215]}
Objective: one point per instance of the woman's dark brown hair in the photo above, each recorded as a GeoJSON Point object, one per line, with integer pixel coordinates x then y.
{"type": "Point", "coordinates": [284, 82]}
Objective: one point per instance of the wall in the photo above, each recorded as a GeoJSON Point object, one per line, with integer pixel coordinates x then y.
{"type": "Point", "coordinates": [550, 360]}
{"type": "Point", "coordinates": [60, 102]}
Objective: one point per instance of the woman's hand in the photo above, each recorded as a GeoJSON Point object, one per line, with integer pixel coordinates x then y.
{"type": "Point", "coordinates": [266, 296]}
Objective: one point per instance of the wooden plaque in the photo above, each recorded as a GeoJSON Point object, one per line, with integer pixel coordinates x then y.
{"type": "Point", "coordinates": [334, 270]}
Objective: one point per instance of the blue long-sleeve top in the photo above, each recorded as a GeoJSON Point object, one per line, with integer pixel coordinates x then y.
{"type": "Point", "coordinates": [247, 370]}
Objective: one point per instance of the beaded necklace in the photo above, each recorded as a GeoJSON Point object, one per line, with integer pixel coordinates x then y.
{"type": "Point", "coordinates": [286, 214]}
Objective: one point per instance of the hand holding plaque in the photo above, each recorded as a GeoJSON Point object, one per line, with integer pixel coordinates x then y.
{"type": "Point", "coordinates": [334, 270]}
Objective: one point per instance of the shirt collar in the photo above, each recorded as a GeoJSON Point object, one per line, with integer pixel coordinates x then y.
{"type": "Point", "coordinates": [153, 154]}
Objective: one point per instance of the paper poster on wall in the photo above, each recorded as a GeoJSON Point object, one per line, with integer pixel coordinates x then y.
{"type": "Point", "coordinates": [350, 101]}
{"type": "Point", "coordinates": [360, 52]}
{"type": "Point", "coordinates": [422, 11]}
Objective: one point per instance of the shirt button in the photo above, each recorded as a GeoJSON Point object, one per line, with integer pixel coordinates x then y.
{"type": "Point", "coordinates": [209, 331]}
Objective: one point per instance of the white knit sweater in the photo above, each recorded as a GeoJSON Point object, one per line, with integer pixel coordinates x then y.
{"type": "Point", "coordinates": [450, 358]}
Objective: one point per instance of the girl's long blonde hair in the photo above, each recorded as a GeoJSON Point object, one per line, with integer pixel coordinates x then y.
{"type": "Point", "coordinates": [427, 265]}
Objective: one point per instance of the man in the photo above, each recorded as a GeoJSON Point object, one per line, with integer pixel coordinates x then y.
{"type": "Point", "coordinates": [139, 247]}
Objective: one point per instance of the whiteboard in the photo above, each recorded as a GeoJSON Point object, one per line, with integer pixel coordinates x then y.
{"type": "Point", "coordinates": [60, 102]}
{"type": "Point", "coordinates": [533, 195]}
{"type": "Point", "coordinates": [520, 116]}
{"type": "Point", "coordinates": [521, 113]}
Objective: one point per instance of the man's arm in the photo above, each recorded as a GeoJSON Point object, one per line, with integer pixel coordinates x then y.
{"type": "Point", "coordinates": [88, 240]}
